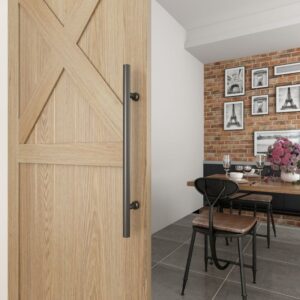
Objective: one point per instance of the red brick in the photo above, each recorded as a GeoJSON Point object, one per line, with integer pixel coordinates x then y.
{"type": "Point", "coordinates": [218, 141]}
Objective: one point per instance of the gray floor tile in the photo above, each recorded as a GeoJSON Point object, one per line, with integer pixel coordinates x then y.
{"type": "Point", "coordinates": [232, 291]}
{"type": "Point", "coordinates": [179, 257]}
{"type": "Point", "coordinates": [161, 248]}
{"type": "Point", "coordinates": [284, 233]}
{"type": "Point", "coordinates": [187, 221]}
{"type": "Point", "coordinates": [175, 233]}
{"type": "Point", "coordinates": [167, 282]}
{"type": "Point", "coordinates": [278, 267]}
{"type": "Point", "coordinates": [279, 250]}
{"type": "Point", "coordinates": [273, 276]}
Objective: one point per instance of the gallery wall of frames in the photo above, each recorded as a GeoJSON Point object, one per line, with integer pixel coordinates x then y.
{"type": "Point", "coordinates": [251, 101]}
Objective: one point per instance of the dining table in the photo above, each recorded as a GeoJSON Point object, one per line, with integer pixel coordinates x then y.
{"type": "Point", "coordinates": [267, 185]}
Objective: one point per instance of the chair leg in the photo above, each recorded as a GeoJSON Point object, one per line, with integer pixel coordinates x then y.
{"type": "Point", "coordinates": [205, 251]}
{"type": "Point", "coordinates": [254, 254]}
{"type": "Point", "coordinates": [227, 242]}
{"type": "Point", "coordinates": [268, 225]}
{"type": "Point", "coordinates": [231, 214]}
{"type": "Point", "coordinates": [273, 223]}
{"type": "Point", "coordinates": [221, 210]}
{"type": "Point", "coordinates": [242, 272]}
{"type": "Point", "coordinates": [188, 263]}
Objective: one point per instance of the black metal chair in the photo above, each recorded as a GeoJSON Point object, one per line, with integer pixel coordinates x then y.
{"type": "Point", "coordinates": [215, 224]}
{"type": "Point", "coordinates": [254, 201]}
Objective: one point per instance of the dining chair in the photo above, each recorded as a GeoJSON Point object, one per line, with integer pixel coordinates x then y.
{"type": "Point", "coordinates": [213, 224]}
{"type": "Point", "coordinates": [255, 201]}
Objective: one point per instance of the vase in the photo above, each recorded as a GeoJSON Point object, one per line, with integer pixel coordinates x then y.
{"type": "Point", "coordinates": [289, 177]}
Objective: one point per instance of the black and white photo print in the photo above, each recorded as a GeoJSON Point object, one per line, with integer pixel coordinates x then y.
{"type": "Point", "coordinates": [264, 139]}
{"type": "Point", "coordinates": [288, 98]}
{"type": "Point", "coordinates": [260, 105]}
{"type": "Point", "coordinates": [235, 82]}
{"type": "Point", "coordinates": [234, 115]}
{"type": "Point", "coordinates": [260, 78]}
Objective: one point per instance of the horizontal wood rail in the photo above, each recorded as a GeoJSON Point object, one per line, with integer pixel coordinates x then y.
{"type": "Point", "coordinates": [104, 154]}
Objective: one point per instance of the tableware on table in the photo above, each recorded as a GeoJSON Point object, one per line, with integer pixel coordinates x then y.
{"type": "Point", "coordinates": [242, 181]}
{"type": "Point", "coordinates": [251, 175]}
{"type": "Point", "coordinates": [239, 168]}
{"type": "Point", "coordinates": [250, 172]}
{"type": "Point", "coordinates": [236, 175]}
{"type": "Point", "coordinates": [248, 169]}
{"type": "Point", "coordinates": [226, 163]}
{"type": "Point", "coordinates": [260, 163]}
{"type": "Point", "coordinates": [289, 176]}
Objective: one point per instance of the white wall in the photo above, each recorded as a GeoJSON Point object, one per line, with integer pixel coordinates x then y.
{"type": "Point", "coordinates": [3, 149]}
{"type": "Point", "coordinates": [176, 121]}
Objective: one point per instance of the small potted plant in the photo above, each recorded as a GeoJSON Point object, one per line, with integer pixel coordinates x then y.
{"type": "Point", "coordinates": [284, 155]}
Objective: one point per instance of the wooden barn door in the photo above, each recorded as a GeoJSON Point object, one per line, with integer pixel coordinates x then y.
{"type": "Point", "coordinates": [65, 143]}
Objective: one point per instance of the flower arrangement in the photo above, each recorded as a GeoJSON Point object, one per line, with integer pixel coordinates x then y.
{"type": "Point", "coordinates": [284, 155]}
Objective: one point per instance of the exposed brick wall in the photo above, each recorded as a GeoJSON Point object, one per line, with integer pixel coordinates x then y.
{"type": "Point", "coordinates": [240, 143]}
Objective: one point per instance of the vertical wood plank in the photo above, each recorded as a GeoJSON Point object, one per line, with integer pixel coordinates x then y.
{"type": "Point", "coordinates": [13, 170]}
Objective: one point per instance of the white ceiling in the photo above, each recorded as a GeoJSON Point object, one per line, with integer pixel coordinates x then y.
{"type": "Point", "coordinates": [199, 13]}
{"type": "Point", "coordinates": [229, 22]}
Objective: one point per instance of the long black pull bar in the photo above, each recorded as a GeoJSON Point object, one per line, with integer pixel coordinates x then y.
{"type": "Point", "coordinates": [127, 97]}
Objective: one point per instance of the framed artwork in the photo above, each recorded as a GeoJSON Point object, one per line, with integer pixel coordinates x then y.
{"type": "Point", "coordinates": [260, 105]}
{"type": "Point", "coordinates": [235, 82]}
{"type": "Point", "coordinates": [234, 115]}
{"type": "Point", "coordinates": [260, 78]}
{"type": "Point", "coordinates": [287, 69]}
{"type": "Point", "coordinates": [264, 139]}
{"type": "Point", "coordinates": [288, 98]}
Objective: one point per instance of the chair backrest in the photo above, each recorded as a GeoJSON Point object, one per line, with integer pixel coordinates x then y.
{"type": "Point", "coordinates": [214, 189]}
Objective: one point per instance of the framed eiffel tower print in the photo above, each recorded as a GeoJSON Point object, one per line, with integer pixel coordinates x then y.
{"type": "Point", "coordinates": [234, 115]}
{"type": "Point", "coordinates": [288, 98]}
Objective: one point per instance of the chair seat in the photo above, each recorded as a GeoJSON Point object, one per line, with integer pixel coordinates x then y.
{"type": "Point", "coordinates": [225, 222]}
{"type": "Point", "coordinates": [257, 198]}
{"type": "Point", "coordinates": [237, 195]}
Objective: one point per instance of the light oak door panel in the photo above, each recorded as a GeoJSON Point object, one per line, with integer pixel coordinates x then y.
{"type": "Point", "coordinates": [65, 139]}
{"type": "Point", "coordinates": [64, 226]}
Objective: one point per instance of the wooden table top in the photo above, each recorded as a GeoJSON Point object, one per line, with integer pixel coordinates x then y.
{"type": "Point", "coordinates": [254, 185]}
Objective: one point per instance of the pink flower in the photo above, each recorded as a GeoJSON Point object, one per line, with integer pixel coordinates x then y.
{"type": "Point", "coordinates": [286, 159]}
{"type": "Point", "coordinates": [277, 161]}
{"type": "Point", "coordinates": [285, 155]}
{"type": "Point", "coordinates": [287, 150]}
{"type": "Point", "coordinates": [277, 151]}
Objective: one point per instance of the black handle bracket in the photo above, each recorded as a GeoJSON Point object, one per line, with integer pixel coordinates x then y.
{"type": "Point", "coordinates": [135, 96]}
{"type": "Point", "coordinates": [135, 205]}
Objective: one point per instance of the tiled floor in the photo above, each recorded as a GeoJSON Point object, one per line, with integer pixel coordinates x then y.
{"type": "Point", "coordinates": [278, 275]}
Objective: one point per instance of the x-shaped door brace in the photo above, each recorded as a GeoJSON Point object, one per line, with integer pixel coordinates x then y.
{"type": "Point", "coordinates": [69, 57]}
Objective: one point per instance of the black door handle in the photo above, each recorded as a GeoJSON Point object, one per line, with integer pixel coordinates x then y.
{"type": "Point", "coordinates": [127, 97]}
